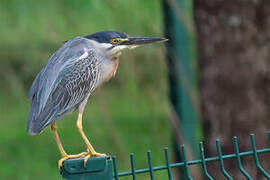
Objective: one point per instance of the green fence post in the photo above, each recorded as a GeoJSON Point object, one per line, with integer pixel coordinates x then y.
{"type": "Point", "coordinates": [97, 168]}
{"type": "Point", "coordinates": [182, 65]}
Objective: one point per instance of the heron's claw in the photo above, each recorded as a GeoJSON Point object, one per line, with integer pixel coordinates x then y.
{"type": "Point", "coordinates": [73, 156]}
{"type": "Point", "coordinates": [60, 162]}
{"type": "Point", "coordinates": [93, 154]}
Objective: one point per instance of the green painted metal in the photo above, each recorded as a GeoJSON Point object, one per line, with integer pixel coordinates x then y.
{"type": "Point", "coordinates": [239, 164]}
{"type": "Point", "coordinates": [255, 155]}
{"type": "Point", "coordinates": [168, 165]}
{"type": "Point", "coordinates": [183, 69]}
{"type": "Point", "coordinates": [116, 176]}
{"type": "Point", "coordinates": [96, 168]}
{"type": "Point", "coordinates": [183, 75]}
{"type": "Point", "coordinates": [269, 137]}
{"type": "Point", "coordinates": [221, 162]}
{"type": "Point", "coordinates": [132, 164]}
{"type": "Point", "coordinates": [102, 168]}
{"type": "Point", "coordinates": [204, 162]}
{"type": "Point", "coordinates": [149, 157]}
{"type": "Point", "coordinates": [185, 163]}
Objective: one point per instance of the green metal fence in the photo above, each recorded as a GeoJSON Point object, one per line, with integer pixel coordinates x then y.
{"type": "Point", "coordinates": [101, 167]}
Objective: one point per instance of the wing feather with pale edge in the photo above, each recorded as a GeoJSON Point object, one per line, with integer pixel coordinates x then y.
{"type": "Point", "coordinates": [68, 78]}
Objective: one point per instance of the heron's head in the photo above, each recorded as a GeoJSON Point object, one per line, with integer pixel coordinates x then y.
{"type": "Point", "coordinates": [112, 43]}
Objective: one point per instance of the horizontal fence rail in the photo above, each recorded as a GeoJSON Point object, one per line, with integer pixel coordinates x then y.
{"type": "Point", "coordinates": [202, 162]}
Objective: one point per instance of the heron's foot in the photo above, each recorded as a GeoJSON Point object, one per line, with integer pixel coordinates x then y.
{"type": "Point", "coordinates": [72, 156]}
{"type": "Point", "coordinates": [92, 154]}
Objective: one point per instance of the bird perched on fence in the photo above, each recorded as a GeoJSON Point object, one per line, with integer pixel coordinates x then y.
{"type": "Point", "coordinates": [71, 74]}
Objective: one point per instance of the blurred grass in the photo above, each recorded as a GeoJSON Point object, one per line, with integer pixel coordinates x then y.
{"type": "Point", "coordinates": [128, 114]}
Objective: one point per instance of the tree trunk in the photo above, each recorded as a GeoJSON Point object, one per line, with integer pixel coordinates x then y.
{"type": "Point", "coordinates": [234, 49]}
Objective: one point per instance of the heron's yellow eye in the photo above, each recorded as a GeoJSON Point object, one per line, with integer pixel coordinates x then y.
{"type": "Point", "coordinates": [115, 41]}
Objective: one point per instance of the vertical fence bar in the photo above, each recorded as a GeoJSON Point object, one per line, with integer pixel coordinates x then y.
{"type": "Point", "coordinates": [132, 163]}
{"type": "Point", "coordinates": [115, 168]}
{"type": "Point", "coordinates": [221, 162]}
{"type": "Point", "coordinates": [149, 157]}
{"type": "Point", "coordinates": [167, 159]}
{"type": "Point", "coordinates": [269, 136]}
{"type": "Point", "coordinates": [239, 164]}
{"type": "Point", "coordinates": [185, 162]}
{"type": "Point", "coordinates": [204, 162]}
{"type": "Point", "coordinates": [255, 155]}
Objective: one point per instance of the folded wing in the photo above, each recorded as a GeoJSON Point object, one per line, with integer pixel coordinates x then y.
{"type": "Point", "coordinates": [68, 78]}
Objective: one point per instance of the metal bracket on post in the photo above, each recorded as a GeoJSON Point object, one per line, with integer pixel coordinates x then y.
{"type": "Point", "coordinates": [97, 168]}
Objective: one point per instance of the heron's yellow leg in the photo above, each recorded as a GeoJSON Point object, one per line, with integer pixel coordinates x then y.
{"type": "Point", "coordinates": [64, 155]}
{"type": "Point", "coordinates": [90, 149]}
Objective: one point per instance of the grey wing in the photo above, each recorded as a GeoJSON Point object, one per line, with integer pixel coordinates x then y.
{"type": "Point", "coordinates": [57, 89]}
{"type": "Point", "coordinates": [71, 51]}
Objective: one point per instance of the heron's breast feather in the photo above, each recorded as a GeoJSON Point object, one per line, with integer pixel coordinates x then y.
{"type": "Point", "coordinates": [111, 70]}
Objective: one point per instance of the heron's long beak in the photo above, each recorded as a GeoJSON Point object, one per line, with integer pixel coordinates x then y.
{"type": "Point", "coordinates": [142, 40]}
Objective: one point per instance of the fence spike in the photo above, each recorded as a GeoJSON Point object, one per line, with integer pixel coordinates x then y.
{"type": "Point", "coordinates": [204, 162]}
{"type": "Point", "coordinates": [221, 162]}
{"type": "Point", "coordinates": [132, 163]}
{"type": "Point", "coordinates": [149, 157]}
{"type": "Point", "coordinates": [255, 155]}
{"type": "Point", "coordinates": [115, 168]}
{"type": "Point", "coordinates": [167, 159]}
{"type": "Point", "coordinates": [239, 164]}
{"type": "Point", "coordinates": [185, 163]}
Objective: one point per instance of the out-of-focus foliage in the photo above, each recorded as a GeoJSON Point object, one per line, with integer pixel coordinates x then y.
{"type": "Point", "coordinates": [128, 114]}
{"type": "Point", "coordinates": [31, 30]}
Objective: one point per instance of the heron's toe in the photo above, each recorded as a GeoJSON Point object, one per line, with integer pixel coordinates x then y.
{"type": "Point", "coordinates": [85, 160]}
{"type": "Point", "coordinates": [72, 156]}
{"type": "Point", "coordinates": [98, 154]}
{"type": "Point", "coordinates": [93, 154]}
{"type": "Point", "coordinates": [61, 161]}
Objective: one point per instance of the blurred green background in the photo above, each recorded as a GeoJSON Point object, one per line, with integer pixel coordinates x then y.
{"type": "Point", "coordinates": [128, 114]}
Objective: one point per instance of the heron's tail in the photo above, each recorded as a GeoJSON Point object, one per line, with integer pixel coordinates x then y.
{"type": "Point", "coordinates": [33, 125]}
{"type": "Point", "coordinates": [38, 118]}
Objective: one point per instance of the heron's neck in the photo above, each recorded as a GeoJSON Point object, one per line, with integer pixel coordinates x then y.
{"type": "Point", "coordinates": [109, 68]}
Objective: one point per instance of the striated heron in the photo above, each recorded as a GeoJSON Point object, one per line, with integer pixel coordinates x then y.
{"type": "Point", "coordinates": [71, 74]}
